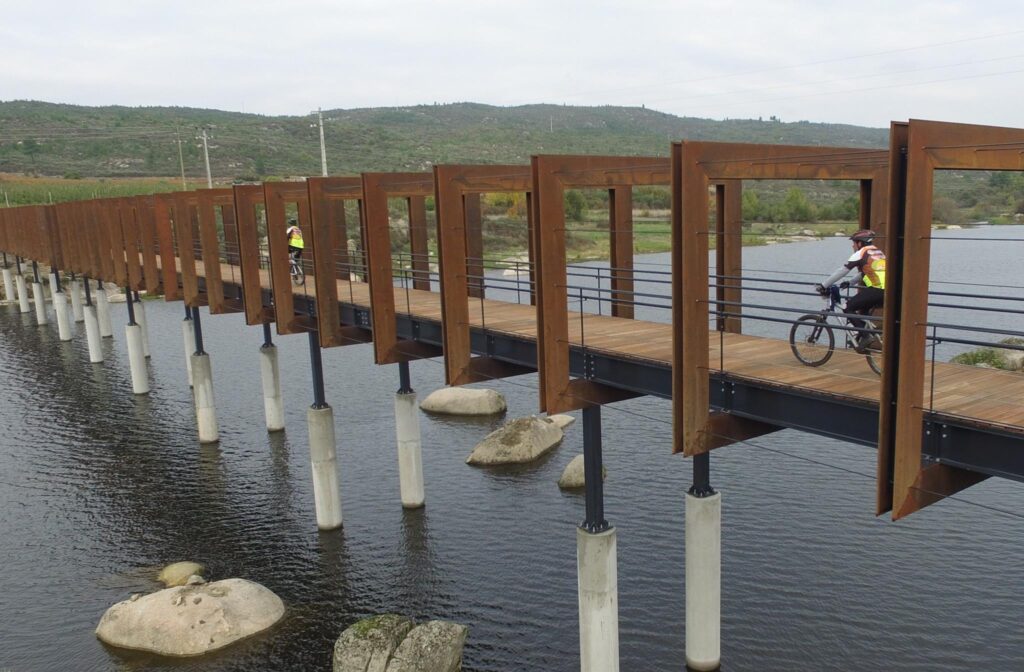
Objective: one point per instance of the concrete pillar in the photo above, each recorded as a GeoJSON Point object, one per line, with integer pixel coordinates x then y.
{"type": "Point", "coordinates": [8, 285]}
{"type": "Point", "coordinates": [410, 450]}
{"type": "Point", "coordinates": [703, 581]}
{"type": "Point", "coordinates": [22, 294]}
{"type": "Point", "coordinates": [75, 291]}
{"type": "Point", "coordinates": [597, 571]}
{"type": "Point", "coordinates": [136, 359]}
{"type": "Point", "coordinates": [92, 334]}
{"type": "Point", "coordinates": [188, 335]}
{"type": "Point", "coordinates": [40, 299]}
{"type": "Point", "coordinates": [53, 285]}
{"type": "Point", "coordinates": [140, 319]}
{"type": "Point", "coordinates": [202, 387]}
{"type": "Point", "coordinates": [103, 313]}
{"type": "Point", "coordinates": [273, 404]}
{"type": "Point", "coordinates": [60, 307]}
{"type": "Point", "coordinates": [322, 454]}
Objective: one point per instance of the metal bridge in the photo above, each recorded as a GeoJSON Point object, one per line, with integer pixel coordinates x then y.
{"type": "Point", "coordinates": [710, 338]}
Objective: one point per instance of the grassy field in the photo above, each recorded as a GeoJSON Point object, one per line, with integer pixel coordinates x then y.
{"type": "Point", "coordinates": [24, 190]}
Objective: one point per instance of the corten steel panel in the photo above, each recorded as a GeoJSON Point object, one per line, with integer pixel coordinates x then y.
{"type": "Point", "coordinates": [377, 189]}
{"type": "Point", "coordinates": [457, 192]}
{"type": "Point", "coordinates": [249, 208]}
{"type": "Point", "coordinates": [130, 238]}
{"type": "Point", "coordinates": [211, 203]}
{"type": "Point", "coordinates": [729, 255]}
{"type": "Point", "coordinates": [144, 206]}
{"type": "Point", "coordinates": [931, 146]}
{"type": "Point", "coordinates": [115, 233]}
{"type": "Point", "coordinates": [695, 166]}
{"type": "Point", "coordinates": [186, 224]}
{"type": "Point", "coordinates": [420, 255]}
{"type": "Point", "coordinates": [332, 261]}
{"type": "Point", "coordinates": [552, 175]}
{"type": "Point", "coordinates": [163, 214]}
{"type": "Point", "coordinates": [620, 226]}
{"type": "Point", "coordinates": [278, 196]}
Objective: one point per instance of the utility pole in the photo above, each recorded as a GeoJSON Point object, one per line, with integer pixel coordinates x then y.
{"type": "Point", "coordinates": [206, 156]}
{"type": "Point", "coordinates": [323, 147]}
{"type": "Point", "coordinates": [181, 162]}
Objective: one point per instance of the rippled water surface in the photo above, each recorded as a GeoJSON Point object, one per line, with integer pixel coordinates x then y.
{"type": "Point", "coordinates": [98, 487]}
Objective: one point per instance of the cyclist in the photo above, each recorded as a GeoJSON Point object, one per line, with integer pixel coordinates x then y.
{"type": "Point", "coordinates": [295, 244]}
{"type": "Point", "coordinates": [869, 262]}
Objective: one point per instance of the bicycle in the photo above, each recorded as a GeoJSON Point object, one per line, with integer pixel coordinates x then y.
{"type": "Point", "coordinates": [812, 338]}
{"type": "Point", "coordinates": [295, 269]}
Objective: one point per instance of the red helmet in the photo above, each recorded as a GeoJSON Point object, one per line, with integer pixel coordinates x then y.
{"type": "Point", "coordinates": [866, 236]}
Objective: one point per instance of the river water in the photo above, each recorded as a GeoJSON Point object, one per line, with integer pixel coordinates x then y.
{"type": "Point", "coordinates": [97, 488]}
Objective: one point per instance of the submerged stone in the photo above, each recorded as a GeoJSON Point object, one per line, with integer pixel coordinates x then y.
{"type": "Point", "coordinates": [522, 440]}
{"type": "Point", "coordinates": [367, 645]}
{"type": "Point", "coordinates": [464, 401]}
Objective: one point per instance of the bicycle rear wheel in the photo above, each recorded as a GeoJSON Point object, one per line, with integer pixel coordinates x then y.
{"type": "Point", "coordinates": [874, 356]}
{"type": "Point", "coordinates": [298, 275]}
{"type": "Point", "coordinates": [812, 340]}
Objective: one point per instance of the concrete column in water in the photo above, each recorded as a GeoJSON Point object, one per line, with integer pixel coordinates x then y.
{"type": "Point", "coordinates": [136, 356]}
{"type": "Point", "coordinates": [410, 446]}
{"type": "Point", "coordinates": [322, 447]}
{"type": "Point", "coordinates": [202, 387]}
{"type": "Point", "coordinates": [140, 319]}
{"type": "Point", "coordinates": [60, 307]}
{"type": "Point", "coordinates": [189, 337]}
{"type": "Point", "coordinates": [92, 327]}
{"type": "Point", "coordinates": [273, 404]}
{"type": "Point", "coordinates": [103, 312]}
{"type": "Point", "coordinates": [596, 562]}
{"type": "Point", "coordinates": [23, 304]}
{"type": "Point", "coordinates": [703, 569]}
{"type": "Point", "coordinates": [75, 291]}
{"type": "Point", "coordinates": [8, 280]}
{"type": "Point", "coordinates": [39, 296]}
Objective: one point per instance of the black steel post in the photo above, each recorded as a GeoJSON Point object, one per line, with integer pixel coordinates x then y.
{"type": "Point", "coordinates": [317, 366]}
{"type": "Point", "coordinates": [592, 471]}
{"type": "Point", "coordinates": [188, 312]}
{"type": "Point", "coordinates": [88, 294]}
{"type": "Point", "coordinates": [137, 297]}
{"type": "Point", "coordinates": [5, 260]}
{"type": "Point", "coordinates": [197, 329]}
{"type": "Point", "coordinates": [131, 307]}
{"type": "Point", "coordinates": [702, 476]}
{"type": "Point", "coordinates": [267, 342]}
{"type": "Point", "coordinates": [56, 278]}
{"type": "Point", "coordinates": [17, 264]}
{"type": "Point", "coordinates": [35, 271]}
{"type": "Point", "coordinates": [405, 382]}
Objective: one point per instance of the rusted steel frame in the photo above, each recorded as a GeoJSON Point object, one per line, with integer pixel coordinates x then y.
{"type": "Point", "coordinates": [144, 215]}
{"type": "Point", "coordinates": [211, 201]}
{"type": "Point", "coordinates": [457, 190]}
{"type": "Point", "coordinates": [552, 175]}
{"type": "Point", "coordinates": [249, 199]}
{"type": "Point", "coordinates": [185, 221]}
{"type": "Point", "coordinates": [725, 429]}
{"type": "Point", "coordinates": [377, 189]}
{"type": "Point", "coordinates": [931, 146]}
{"type": "Point", "coordinates": [51, 238]}
{"type": "Point", "coordinates": [278, 195]}
{"type": "Point", "coordinates": [130, 241]}
{"type": "Point", "coordinates": [695, 166]}
{"type": "Point", "coordinates": [418, 248]}
{"type": "Point", "coordinates": [331, 259]}
{"type": "Point", "coordinates": [620, 226]}
{"type": "Point", "coordinates": [115, 233]}
{"type": "Point", "coordinates": [163, 213]}
{"type": "Point", "coordinates": [729, 254]}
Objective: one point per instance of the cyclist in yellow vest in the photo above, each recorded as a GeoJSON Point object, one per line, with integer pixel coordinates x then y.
{"type": "Point", "coordinates": [294, 233]}
{"type": "Point", "coordinates": [869, 262]}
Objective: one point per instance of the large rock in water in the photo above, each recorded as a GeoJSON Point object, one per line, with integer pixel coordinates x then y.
{"type": "Point", "coordinates": [522, 440]}
{"type": "Point", "coordinates": [435, 646]}
{"type": "Point", "coordinates": [464, 401]}
{"type": "Point", "coordinates": [574, 476]}
{"type": "Point", "coordinates": [367, 645]}
{"type": "Point", "coordinates": [176, 574]}
{"type": "Point", "coordinates": [191, 620]}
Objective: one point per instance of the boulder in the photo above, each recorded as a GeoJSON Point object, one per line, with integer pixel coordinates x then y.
{"type": "Point", "coordinates": [464, 401]}
{"type": "Point", "coordinates": [367, 645]}
{"type": "Point", "coordinates": [434, 646]}
{"type": "Point", "coordinates": [178, 573]}
{"type": "Point", "coordinates": [522, 440]}
{"type": "Point", "coordinates": [191, 620]}
{"type": "Point", "coordinates": [572, 476]}
{"type": "Point", "coordinates": [562, 421]}
{"type": "Point", "coordinates": [1014, 359]}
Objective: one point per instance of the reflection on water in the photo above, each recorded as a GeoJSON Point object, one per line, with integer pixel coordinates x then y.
{"type": "Point", "coordinates": [97, 485]}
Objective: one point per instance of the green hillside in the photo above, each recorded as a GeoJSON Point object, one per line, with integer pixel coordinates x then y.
{"type": "Point", "coordinates": [52, 139]}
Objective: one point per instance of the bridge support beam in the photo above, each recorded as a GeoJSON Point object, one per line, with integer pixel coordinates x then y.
{"type": "Point", "coordinates": [703, 569]}
{"type": "Point", "coordinates": [39, 296]}
{"type": "Point", "coordinates": [140, 319]}
{"type": "Point", "coordinates": [273, 404]}
{"type": "Point", "coordinates": [202, 386]}
{"type": "Point", "coordinates": [410, 446]}
{"type": "Point", "coordinates": [136, 355]}
{"type": "Point", "coordinates": [322, 447]}
{"type": "Point", "coordinates": [92, 327]}
{"type": "Point", "coordinates": [75, 291]}
{"type": "Point", "coordinates": [103, 311]}
{"type": "Point", "coordinates": [188, 336]}
{"type": "Point", "coordinates": [60, 307]}
{"type": "Point", "coordinates": [596, 562]}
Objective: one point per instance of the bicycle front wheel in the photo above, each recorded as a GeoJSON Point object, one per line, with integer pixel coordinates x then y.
{"type": "Point", "coordinates": [812, 340]}
{"type": "Point", "coordinates": [298, 276]}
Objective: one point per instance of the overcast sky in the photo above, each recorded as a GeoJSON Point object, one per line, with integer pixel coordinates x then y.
{"type": "Point", "coordinates": [864, 62]}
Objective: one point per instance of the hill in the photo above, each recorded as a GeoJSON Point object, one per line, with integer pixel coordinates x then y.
{"type": "Point", "coordinates": [70, 140]}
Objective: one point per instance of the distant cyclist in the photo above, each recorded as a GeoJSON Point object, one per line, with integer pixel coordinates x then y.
{"type": "Point", "coordinates": [869, 262]}
{"type": "Point", "coordinates": [295, 244]}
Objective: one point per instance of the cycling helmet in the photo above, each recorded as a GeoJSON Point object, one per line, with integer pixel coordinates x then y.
{"type": "Point", "coordinates": [866, 236]}
{"type": "Point", "coordinates": [292, 221]}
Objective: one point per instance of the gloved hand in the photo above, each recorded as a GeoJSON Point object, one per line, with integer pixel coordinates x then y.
{"type": "Point", "coordinates": [845, 284]}
{"type": "Point", "coordinates": [820, 289]}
